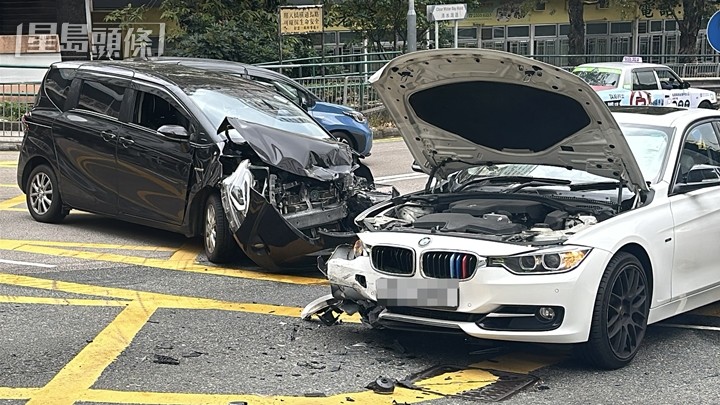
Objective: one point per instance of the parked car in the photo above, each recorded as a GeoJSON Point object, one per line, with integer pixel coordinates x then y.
{"type": "Point", "coordinates": [344, 123]}
{"type": "Point", "coordinates": [190, 151]}
{"type": "Point", "coordinates": [549, 219]}
{"type": "Point", "coordinates": [632, 82]}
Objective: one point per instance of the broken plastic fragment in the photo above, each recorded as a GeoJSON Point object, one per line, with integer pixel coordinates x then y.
{"type": "Point", "coordinates": [382, 385]}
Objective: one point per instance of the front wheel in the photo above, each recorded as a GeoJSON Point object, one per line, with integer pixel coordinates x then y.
{"type": "Point", "coordinates": [345, 138]}
{"type": "Point", "coordinates": [42, 195]}
{"type": "Point", "coordinates": [219, 244]}
{"type": "Point", "coordinates": [620, 315]}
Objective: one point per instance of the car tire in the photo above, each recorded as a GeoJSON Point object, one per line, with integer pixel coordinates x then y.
{"type": "Point", "coordinates": [220, 247]}
{"type": "Point", "coordinates": [620, 314]}
{"type": "Point", "coordinates": [345, 138]}
{"type": "Point", "coordinates": [42, 195]}
{"type": "Point", "coordinates": [705, 104]}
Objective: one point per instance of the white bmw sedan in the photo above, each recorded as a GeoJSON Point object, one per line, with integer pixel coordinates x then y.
{"type": "Point", "coordinates": [547, 218]}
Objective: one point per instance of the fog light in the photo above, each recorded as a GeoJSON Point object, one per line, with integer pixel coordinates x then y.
{"type": "Point", "coordinates": [546, 314]}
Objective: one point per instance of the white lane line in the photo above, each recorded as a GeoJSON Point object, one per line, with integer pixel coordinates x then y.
{"type": "Point", "coordinates": [399, 177]}
{"type": "Point", "coordinates": [680, 326]}
{"type": "Point", "coordinates": [27, 263]}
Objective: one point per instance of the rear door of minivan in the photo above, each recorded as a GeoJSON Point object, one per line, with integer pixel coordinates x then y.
{"type": "Point", "coordinates": [86, 142]}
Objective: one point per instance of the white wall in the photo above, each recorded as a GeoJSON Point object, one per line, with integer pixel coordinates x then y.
{"type": "Point", "coordinates": [39, 61]}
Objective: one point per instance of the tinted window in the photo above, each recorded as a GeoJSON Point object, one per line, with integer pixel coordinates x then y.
{"type": "Point", "coordinates": [701, 147]}
{"type": "Point", "coordinates": [101, 98]}
{"type": "Point", "coordinates": [152, 112]}
{"type": "Point", "coordinates": [545, 30]}
{"type": "Point", "coordinates": [57, 84]}
{"type": "Point", "coordinates": [644, 80]}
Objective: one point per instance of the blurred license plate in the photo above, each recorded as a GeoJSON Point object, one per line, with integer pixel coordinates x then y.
{"type": "Point", "coordinates": [408, 292]}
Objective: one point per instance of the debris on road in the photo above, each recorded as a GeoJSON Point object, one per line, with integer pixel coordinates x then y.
{"type": "Point", "coordinates": [382, 385]}
{"type": "Point", "coordinates": [162, 359]}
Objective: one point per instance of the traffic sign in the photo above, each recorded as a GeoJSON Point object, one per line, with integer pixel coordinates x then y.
{"type": "Point", "coordinates": [446, 12]}
{"type": "Point", "coordinates": [713, 31]}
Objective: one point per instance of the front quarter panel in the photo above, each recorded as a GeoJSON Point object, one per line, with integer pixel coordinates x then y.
{"type": "Point", "coordinates": [650, 227]}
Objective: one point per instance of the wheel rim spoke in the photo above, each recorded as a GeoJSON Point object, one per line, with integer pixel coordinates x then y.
{"type": "Point", "coordinates": [626, 311]}
{"type": "Point", "coordinates": [210, 229]}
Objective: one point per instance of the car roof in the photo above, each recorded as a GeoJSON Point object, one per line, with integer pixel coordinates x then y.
{"type": "Point", "coordinates": [661, 116]}
{"type": "Point", "coordinates": [223, 65]}
{"type": "Point", "coordinates": [160, 73]}
{"type": "Point", "coordinates": [623, 65]}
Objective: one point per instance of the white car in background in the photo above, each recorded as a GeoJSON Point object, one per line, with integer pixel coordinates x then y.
{"type": "Point", "coordinates": [547, 218]}
{"type": "Point", "coordinates": [632, 82]}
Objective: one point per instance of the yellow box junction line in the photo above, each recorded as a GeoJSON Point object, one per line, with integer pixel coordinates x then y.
{"type": "Point", "coordinates": [73, 383]}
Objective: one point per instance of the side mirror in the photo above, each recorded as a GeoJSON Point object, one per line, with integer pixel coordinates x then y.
{"type": "Point", "coordinates": [306, 101]}
{"type": "Point", "coordinates": [416, 167]}
{"type": "Point", "coordinates": [177, 132]}
{"type": "Point", "coordinates": [685, 85]}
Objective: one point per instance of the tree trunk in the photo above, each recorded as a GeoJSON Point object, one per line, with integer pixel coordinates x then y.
{"type": "Point", "coordinates": [693, 11]}
{"type": "Point", "coordinates": [576, 36]}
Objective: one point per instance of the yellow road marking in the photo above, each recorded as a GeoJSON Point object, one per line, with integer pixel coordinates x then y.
{"type": "Point", "coordinates": [187, 252]}
{"type": "Point", "coordinates": [17, 393]}
{"type": "Point", "coordinates": [9, 185]}
{"type": "Point", "coordinates": [9, 299]}
{"type": "Point", "coordinates": [10, 244]}
{"type": "Point", "coordinates": [11, 203]}
{"type": "Point", "coordinates": [457, 381]}
{"type": "Point", "coordinates": [522, 363]}
{"type": "Point", "coordinates": [8, 164]}
{"type": "Point", "coordinates": [185, 265]}
{"type": "Point", "coordinates": [84, 369]}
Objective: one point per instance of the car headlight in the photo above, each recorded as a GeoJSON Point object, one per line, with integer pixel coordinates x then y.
{"type": "Point", "coordinates": [359, 249]}
{"type": "Point", "coordinates": [356, 115]}
{"type": "Point", "coordinates": [545, 261]}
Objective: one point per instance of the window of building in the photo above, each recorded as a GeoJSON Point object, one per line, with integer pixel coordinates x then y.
{"type": "Point", "coordinates": [670, 25]}
{"type": "Point", "coordinates": [498, 32]}
{"type": "Point", "coordinates": [101, 98]}
{"type": "Point", "coordinates": [596, 28]}
{"type": "Point", "coordinates": [564, 29]}
{"type": "Point", "coordinates": [520, 31]}
{"type": "Point", "coordinates": [642, 27]}
{"type": "Point", "coordinates": [620, 28]}
{"type": "Point", "coordinates": [545, 30]}
{"type": "Point", "coordinates": [656, 26]}
{"type": "Point", "coordinates": [486, 33]}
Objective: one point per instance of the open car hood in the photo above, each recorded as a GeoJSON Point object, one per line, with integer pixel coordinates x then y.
{"type": "Point", "coordinates": [320, 159]}
{"type": "Point", "coordinates": [457, 108]}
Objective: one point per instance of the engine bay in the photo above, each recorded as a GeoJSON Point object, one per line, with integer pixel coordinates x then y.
{"type": "Point", "coordinates": [511, 220]}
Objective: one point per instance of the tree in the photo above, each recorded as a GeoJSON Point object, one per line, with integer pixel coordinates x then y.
{"type": "Point", "coordinates": [237, 30]}
{"type": "Point", "coordinates": [576, 36]}
{"type": "Point", "coordinates": [688, 14]}
{"type": "Point", "coordinates": [381, 21]}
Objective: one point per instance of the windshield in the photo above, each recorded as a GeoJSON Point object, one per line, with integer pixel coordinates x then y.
{"type": "Point", "coordinates": [649, 145]}
{"type": "Point", "coordinates": [254, 105]}
{"type": "Point", "coordinates": [595, 76]}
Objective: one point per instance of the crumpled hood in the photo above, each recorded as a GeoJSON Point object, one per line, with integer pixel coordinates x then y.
{"type": "Point", "coordinates": [320, 159]}
{"type": "Point", "coordinates": [457, 108]}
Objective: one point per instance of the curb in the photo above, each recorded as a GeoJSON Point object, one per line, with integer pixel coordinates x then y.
{"type": "Point", "coordinates": [387, 132]}
{"type": "Point", "coordinates": [10, 143]}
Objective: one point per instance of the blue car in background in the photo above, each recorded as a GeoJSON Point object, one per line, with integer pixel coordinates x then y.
{"type": "Point", "coordinates": [347, 125]}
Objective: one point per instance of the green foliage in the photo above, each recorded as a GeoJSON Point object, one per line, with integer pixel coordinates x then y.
{"type": "Point", "coordinates": [237, 30]}
{"type": "Point", "coordinates": [12, 110]}
{"type": "Point", "coordinates": [381, 20]}
{"type": "Point", "coordinates": [126, 15]}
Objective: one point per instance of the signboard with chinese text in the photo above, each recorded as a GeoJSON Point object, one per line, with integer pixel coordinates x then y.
{"type": "Point", "coordinates": [301, 19]}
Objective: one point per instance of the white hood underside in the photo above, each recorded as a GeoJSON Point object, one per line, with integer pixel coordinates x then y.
{"type": "Point", "coordinates": [466, 107]}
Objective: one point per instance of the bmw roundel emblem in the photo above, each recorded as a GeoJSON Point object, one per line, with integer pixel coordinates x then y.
{"type": "Point", "coordinates": [424, 241]}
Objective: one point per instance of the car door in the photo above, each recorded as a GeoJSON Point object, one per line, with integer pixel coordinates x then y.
{"type": "Point", "coordinates": [153, 168]}
{"type": "Point", "coordinates": [85, 142]}
{"type": "Point", "coordinates": [696, 212]}
{"type": "Point", "coordinates": [671, 84]}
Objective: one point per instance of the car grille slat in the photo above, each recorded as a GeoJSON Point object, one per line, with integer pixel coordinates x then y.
{"type": "Point", "coordinates": [394, 260]}
{"type": "Point", "coordinates": [452, 265]}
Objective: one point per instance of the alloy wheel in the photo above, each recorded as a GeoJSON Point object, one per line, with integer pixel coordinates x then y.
{"type": "Point", "coordinates": [41, 192]}
{"type": "Point", "coordinates": [210, 228]}
{"type": "Point", "coordinates": [626, 312]}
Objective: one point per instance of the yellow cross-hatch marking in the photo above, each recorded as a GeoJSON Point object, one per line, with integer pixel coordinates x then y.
{"type": "Point", "coordinates": [11, 203]}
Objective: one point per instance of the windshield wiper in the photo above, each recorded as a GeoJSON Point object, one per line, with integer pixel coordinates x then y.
{"type": "Point", "coordinates": [601, 185]}
{"type": "Point", "coordinates": [525, 181]}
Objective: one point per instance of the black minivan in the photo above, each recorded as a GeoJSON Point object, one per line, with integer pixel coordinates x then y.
{"type": "Point", "coordinates": [192, 151]}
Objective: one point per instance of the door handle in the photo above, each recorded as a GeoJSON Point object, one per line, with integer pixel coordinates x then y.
{"type": "Point", "coordinates": [108, 136]}
{"type": "Point", "coordinates": [126, 141]}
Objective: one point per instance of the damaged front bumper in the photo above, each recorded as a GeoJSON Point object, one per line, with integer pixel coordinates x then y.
{"type": "Point", "coordinates": [493, 304]}
{"type": "Point", "coordinates": [273, 240]}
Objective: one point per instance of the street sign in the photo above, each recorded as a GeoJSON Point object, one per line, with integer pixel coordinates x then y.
{"type": "Point", "coordinates": [301, 19]}
{"type": "Point", "coordinates": [713, 31]}
{"type": "Point", "coordinates": [446, 12]}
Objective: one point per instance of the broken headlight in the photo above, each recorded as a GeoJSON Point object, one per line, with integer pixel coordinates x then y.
{"type": "Point", "coordinates": [544, 261]}
{"type": "Point", "coordinates": [356, 115]}
{"type": "Point", "coordinates": [359, 249]}
{"type": "Point", "coordinates": [239, 184]}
